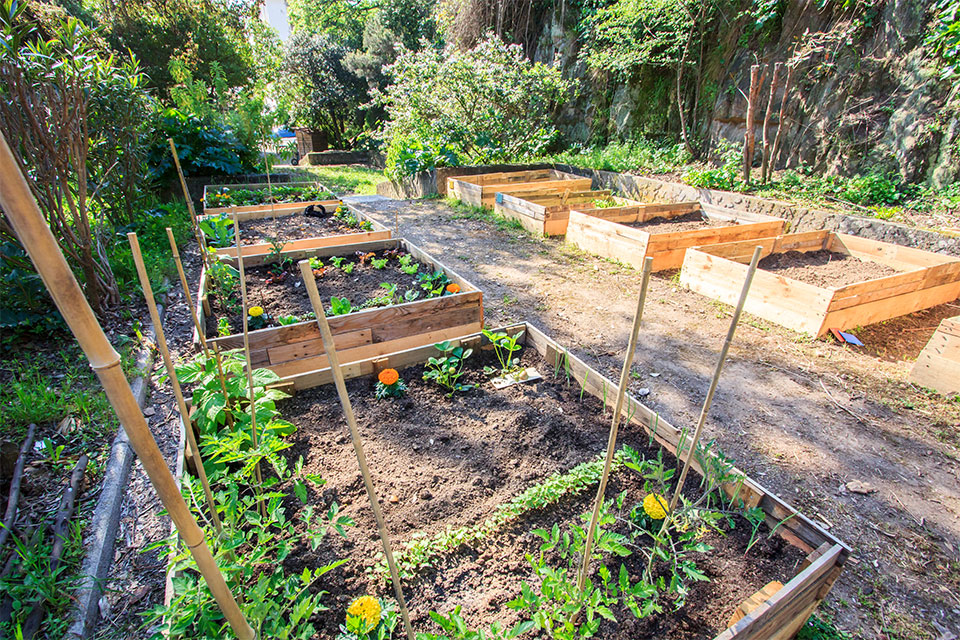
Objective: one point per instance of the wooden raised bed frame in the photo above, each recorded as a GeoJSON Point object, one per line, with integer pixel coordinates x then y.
{"type": "Point", "coordinates": [480, 190]}
{"type": "Point", "coordinates": [927, 279]}
{"type": "Point", "coordinates": [265, 210]}
{"type": "Point", "coordinates": [599, 231]}
{"type": "Point", "coordinates": [546, 211]}
{"type": "Point", "coordinates": [780, 616]}
{"type": "Point", "coordinates": [938, 365]}
{"type": "Point", "coordinates": [263, 249]}
{"type": "Point", "coordinates": [297, 348]}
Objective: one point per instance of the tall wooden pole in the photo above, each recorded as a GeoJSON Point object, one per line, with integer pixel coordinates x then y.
{"type": "Point", "coordinates": [749, 137]}
{"type": "Point", "coordinates": [174, 380]}
{"type": "Point", "coordinates": [765, 170]}
{"type": "Point", "coordinates": [24, 215]}
{"type": "Point", "coordinates": [195, 222]}
{"type": "Point", "coordinates": [615, 423]}
{"type": "Point", "coordinates": [713, 387]}
{"type": "Point", "coordinates": [781, 120]}
{"type": "Point", "coordinates": [311, 286]}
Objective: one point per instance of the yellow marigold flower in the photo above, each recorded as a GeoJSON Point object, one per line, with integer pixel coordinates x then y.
{"type": "Point", "coordinates": [365, 613]}
{"type": "Point", "coordinates": [655, 505]}
{"type": "Point", "coordinates": [255, 312]}
{"type": "Point", "coordinates": [388, 376]}
{"type": "Point", "coordinates": [453, 288]}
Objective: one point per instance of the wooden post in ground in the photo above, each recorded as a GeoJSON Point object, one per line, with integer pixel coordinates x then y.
{"type": "Point", "coordinates": [749, 137]}
{"type": "Point", "coordinates": [194, 221]}
{"type": "Point", "coordinates": [328, 344]}
{"type": "Point", "coordinates": [765, 170]}
{"type": "Point", "coordinates": [713, 387]}
{"type": "Point", "coordinates": [781, 122]}
{"type": "Point", "coordinates": [246, 354]}
{"type": "Point", "coordinates": [615, 424]}
{"type": "Point", "coordinates": [174, 381]}
{"type": "Point", "coordinates": [24, 214]}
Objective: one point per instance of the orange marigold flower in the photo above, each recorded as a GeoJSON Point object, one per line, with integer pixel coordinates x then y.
{"type": "Point", "coordinates": [388, 376]}
{"type": "Point", "coordinates": [453, 288]}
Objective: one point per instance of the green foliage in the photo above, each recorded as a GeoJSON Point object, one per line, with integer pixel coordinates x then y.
{"type": "Point", "coordinates": [504, 346]}
{"type": "Point", "coordinates": [485, 104]}
{"type": "Point", "coordinates": [447, 370]}
{"type": "Point", "coordinates": [379, 263]}
{"type": "Point", "coordinates": [435, 283]}
{"type": "Point", "coordinates": [819, 629]}
{"type": "Point", "coordinates": [396, 390]}
{"type": "Point", "coordinates": [726, 176]}
{"type": "Point", "coordinates": [407, 156]}
{"type": "Point", "coordinates": [345, 179]}
{"type": "Point", "coordinates": [455, 628]}
{"type": "Point", "coordinates": [876, 189]}
{"type": "Point", "coordinates": [25, 305]}
{"type": "Point", "coordinates": [944, 38]}
{"type": "Point", "coordinates": [339, 306]}
{"type": "Point", "coordinates": [279, 193]}
{"type": "Point", "coordinates": [204, 149]}
{"type": "Point", "coordinates": [218, 229]}
{"type": "Point", "coordinates": [151, 229]}
{"type": "Point", "coordinates": [640, 154]}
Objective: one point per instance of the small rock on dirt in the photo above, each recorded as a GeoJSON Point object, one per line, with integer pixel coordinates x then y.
{"type": "Point", "coordinates": [863, 488]}
{"type": "Point", "coordinates": [643, 392]}
{"type": "Point", "coordinates": [149, 411]}
{"type": "Point", "coordinates": [426, 495]}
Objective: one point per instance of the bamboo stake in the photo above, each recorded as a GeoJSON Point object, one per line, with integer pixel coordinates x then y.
{"type": "Point", "coordinates": [713, 387]}
{"type": "Point", "coordinates": [24, 214]}
{"type": "Point", "coordinates": [615, 423]}
{"type": "Point", "coordinates": [334, 361]}
{"type": "Point", "coordinates": [266, 164]}
{"type": "Point", "coordinates": [172, 373]}
{"type": "Point", "coordinates": [765, 170]}
{"type": "Point", "coordinates": [246, 354]}
{"type": "Point", "coordinates": [201, 241]}
{"type": "Point", "coordinates": [196, 323]}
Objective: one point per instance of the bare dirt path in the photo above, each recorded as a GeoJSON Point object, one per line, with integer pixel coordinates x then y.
{"type": "Point", "coordinates": [803, 417]}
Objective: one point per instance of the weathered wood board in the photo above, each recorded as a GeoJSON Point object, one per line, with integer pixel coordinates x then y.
{"type": "Point", "coordinates": [603, 232]}
{"type": "Point", "coordinates": [925, 280]}
{"type": "Point", "coordinates": [782, 613]}
{"type": "Point", "coordinates": [480, 190]}
{"type": "Point", "coordinates": [546, 211]}
{"type": "Point", "coordinates": [938, 365]}
{"type": "Point", "coordinates": [293, 349]}
{"type": "Point", "coordinates": [265, 210]}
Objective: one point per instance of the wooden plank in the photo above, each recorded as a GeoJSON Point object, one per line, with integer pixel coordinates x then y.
{"type": "Point", "coordinates": [755, 601]}
{"type": "Point", "coordinates": [938, 365]}
{"type": "Point", "coordinates": [305, 348]}
{"type": "Point", "coordinates": [259, 211]}
{"type": "Point", "coordinates": [305, 244]}
{"type": "Point", "coordinates": [892, 255]}
{"type": "Point", "coordinates": [891, 307]}
{"type": "Point", "coordinates": [320, 252]}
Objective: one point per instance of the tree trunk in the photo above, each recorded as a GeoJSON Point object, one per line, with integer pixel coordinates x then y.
{"type": "Point", "coordinates": [787, 85]}
{"type": "Point", "coordinates": [765, 148]}
{"type": "Point", "coordinates": [749, 137]}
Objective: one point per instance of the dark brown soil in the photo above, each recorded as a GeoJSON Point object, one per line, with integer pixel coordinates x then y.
{"type": "Point", "coordinates": [284, 294]}
{"type": "Point", "coordinates": [294, 227]}
{"type": "Point", "coordinates": [687, 222]}
{"type": "Point", "coordinates": [824, 268]}
{"type": "Point", "coordinates": [439, 463]}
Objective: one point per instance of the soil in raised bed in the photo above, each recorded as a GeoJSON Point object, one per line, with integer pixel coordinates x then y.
{"type": "Point", "coordinates": [440, 463]}
{"type": "Point", "coordinates": [293, 227]}
{"type": "Point", "coordinates": [824, 268]}
{"type": "Point", "coordinates": [286, 296]}
{"type": "Point", "coordinates": [687, 222]}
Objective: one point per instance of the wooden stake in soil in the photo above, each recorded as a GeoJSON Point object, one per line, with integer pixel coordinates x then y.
{"type": "Point", "coordinates": [196, 324]}
{"type": "Point", "coordinates": [781, 120]}
{"type": "Point", "coordinates": [713, 387]}
{"type": "Point", "coordinates": [615, 423]}
{"type": "Point", "coordinates": [765, 146]}
{"type": "Point", "coordinates": [24, 214]}
{"type": "Point", "coordinates": [749, 136]}
{"type": "Point", "coordinates": [195, 222]}
{"type": "Point", "coordinates": [172, 373]}
{"type": "Point", "coordinates": [246, 354]}
{"type": "Point", "coordinates": [311, 286]}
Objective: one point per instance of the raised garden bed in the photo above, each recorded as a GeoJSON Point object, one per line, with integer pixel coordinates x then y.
{"type": "Point", "coordinates": [466, 482]}
{"type": "Point", "coordinates": [307, 228]}
{"type": "Point", "coordinates": [664, 232]}
{"type": "Point", "coordinates": [546, 211]}
{"type": "Point", "coordinates": [253, 200]}
{"type": "Point", "coordinates": [480, 190]}
{"type": "Point", "coordinates": [364, 326]}
{"type": "Point", "coordinates": [873, 281]}
{"type": "Point", "coordinates": [938, 365]}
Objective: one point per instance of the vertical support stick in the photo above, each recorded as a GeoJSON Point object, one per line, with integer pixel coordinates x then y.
{"type": "Point", "coordinates": [196, 322]}
{"type": "Point", "coordinates": [781, 119]}
{"type": "Point", "coordinates": [246, 353]}
{"type": "Point", "coordinates": [765, 170]}
{"type": "Point", "coordinates": [21, 209]}
{"type": "Point", "coordinates": [615, 424]}
{"type": "Point", "coordinates": [311, 286]}
{"type": "Point", "coordinates": [713, 387]}
{"type": "Point", "coordinates": [174, 381]}
{"type": "Point", "coordinates": [749, 136]}
{"type": "Point", "coordinates": [266, 164]}
{"type": "Point", "coordinates": [195, 222]}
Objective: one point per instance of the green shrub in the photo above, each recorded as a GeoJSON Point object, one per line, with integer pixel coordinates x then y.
{"type": "Point", "coordinates": [204, 149]}
{"type": "Point", "coordinates": [725, 177]}
{"type": "Point", "coordinates": [640, 154]}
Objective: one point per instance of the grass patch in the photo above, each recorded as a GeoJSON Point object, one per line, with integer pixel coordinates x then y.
{"type": "Point", "coordinates": [640, 155]}
{"type": "Point", "coordinates": [342, 180]}
{"type": "Point", "coordinates": [821, 629]}
{"type": "Point", "coordinates": [469, 212]}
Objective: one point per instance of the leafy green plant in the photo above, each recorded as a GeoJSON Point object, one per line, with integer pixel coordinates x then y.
{"type": "Point", "coordinates": [219, 229]}
{"type": "Point", "coordinates": [726, 176]}
{"type": "Point", "coordinates": [433, 283]}
{"type": "Point", "coordinates": [315, 262]}
{"type": "Point", "coordinates": [407, 265]}
{"type": "Point", "coordinates": [337, 261]}
{"type": "Point", "coordinates": [224, 281]}
{"type": "Point", "coordinates": [379, 263]}
{"type": "Point", "coordinates": [410, 295]}
{"type": "Point", "coordinates": [455, 628]}
{"type": "Point", "coordinates": [223, 327]}
{"type": "Point", "coordinates": [348, 267]}
{"type": "Point", "coordinates": [285, 320]}
{"type": "Point", "coordinates": [504, 346]}
{"type": "Point", "coordinates": [339, 306]}
{"type": "Point", "coordinates": [228, 196]}
{"type": "Point", "coordinates": [447, 370]}
{"type": "Point", "coordinates": [278, 261]}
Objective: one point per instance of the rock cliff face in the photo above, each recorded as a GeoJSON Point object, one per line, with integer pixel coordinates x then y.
{"type": "Point", "coordinates": [866, 91]}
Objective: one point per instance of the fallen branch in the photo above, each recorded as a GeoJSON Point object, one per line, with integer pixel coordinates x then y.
{"type": "Point", "coordinates": [840, 406]}
{"type": "Point", "coordinates": [60, 533]}
{"type": "Point", "coordinates": [11, 514]}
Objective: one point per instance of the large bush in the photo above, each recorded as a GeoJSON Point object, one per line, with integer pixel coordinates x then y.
{"type": "Point", "coordinates": [486, 104]}
{"type": "Point", "coordinates": [204, 148]}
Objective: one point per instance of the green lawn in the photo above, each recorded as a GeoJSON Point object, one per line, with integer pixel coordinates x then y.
{"type": "Point", "coordinates": [341, 179]}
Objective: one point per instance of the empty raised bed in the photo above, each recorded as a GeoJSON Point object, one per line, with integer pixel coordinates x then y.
{"type": "Point", "coordinates": [311, 227]}
{"type": "Point", "coordinates": [468, 481]}
{"type": "Point", "coordinates": [546, 211]}
{"type": "Point", "coordinates": [938, 365]}
{"type": "Point", "coordinates": [816, 281]}
{"type": "Point", "coordinates": [480, 190]}
{"type": "Point", "coordinates": [663, 232]}
{"type": "Point", "coordinates": [389, 295]}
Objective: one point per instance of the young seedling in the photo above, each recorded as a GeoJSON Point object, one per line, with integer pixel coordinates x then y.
{"type": "Point", "coordinates": [504, 346]}
{"type": "Point", "coordinates": [339, 306]}
{"type": "Point", "coordinates": [448, 369]}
